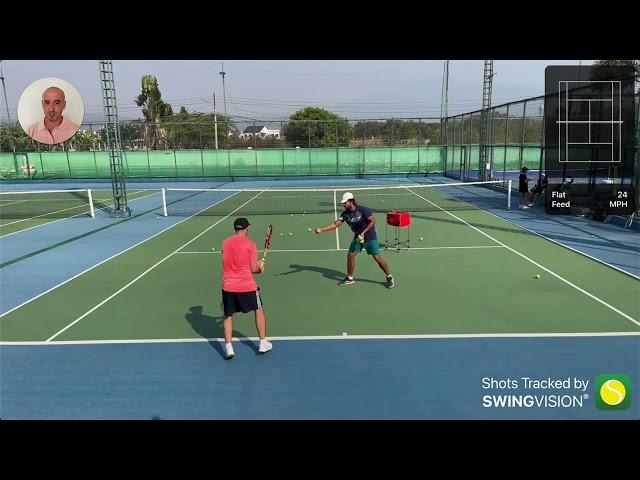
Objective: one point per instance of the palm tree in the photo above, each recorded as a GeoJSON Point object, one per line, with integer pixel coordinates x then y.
{"type": "Point", "coordinates": [154, 109]}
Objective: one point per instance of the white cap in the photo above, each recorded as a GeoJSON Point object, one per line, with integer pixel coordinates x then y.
{"type": "Point", "coordinates": [347, 196]}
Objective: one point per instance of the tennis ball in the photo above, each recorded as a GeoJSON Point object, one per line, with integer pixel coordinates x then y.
{"type": "Point", "coordinates": [421, 238]}
{"type": "Point", "coordinates": [308, 229]}
{"type": "Point", "coordinates": [612, 392]}
{"type": "Point", "coordinates": [212, 249]}
{"type": "Point", "coordinates": [290, 234]}
{"type": "Point", "coordinates": [538, 276]}
{"type": "Point", "coordinates": [281, 234]}
{"type": "Point", "coordinates": [291, 215]}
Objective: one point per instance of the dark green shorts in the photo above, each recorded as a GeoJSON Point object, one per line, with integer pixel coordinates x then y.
{"type": "Point", "coordinates": [372, 246]}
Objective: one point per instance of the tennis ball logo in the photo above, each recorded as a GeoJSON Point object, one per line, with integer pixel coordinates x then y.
{"type": "Point", "coordinates": [613, 392]}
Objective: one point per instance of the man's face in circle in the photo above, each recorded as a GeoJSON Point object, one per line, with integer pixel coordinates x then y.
{"type": "Point", "coordinates": [53, 103]}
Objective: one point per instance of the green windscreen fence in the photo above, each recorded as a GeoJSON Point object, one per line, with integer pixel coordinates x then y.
{"type": "Point", "coordinates": [222, 163]}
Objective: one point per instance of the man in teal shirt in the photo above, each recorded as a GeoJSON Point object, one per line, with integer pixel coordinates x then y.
{"type": "Point", "coordinates": [362, 223]}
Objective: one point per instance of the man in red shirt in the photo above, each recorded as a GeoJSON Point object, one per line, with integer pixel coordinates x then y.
{"type": "Point", "coordinates": [240, 293]}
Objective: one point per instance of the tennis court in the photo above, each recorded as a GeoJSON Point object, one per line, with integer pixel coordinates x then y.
{"type": "Point", "coordinates": [472, 273]}
{"type": "Point", "coordinates": [467, 273]}
{"type": "Point", "coordinates": [23, 210]}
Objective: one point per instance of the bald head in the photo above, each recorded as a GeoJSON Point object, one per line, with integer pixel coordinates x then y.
{"type": "Point", "coordinates": [53, 92]}
{"type": "Point", "coordinates": [53, 103]}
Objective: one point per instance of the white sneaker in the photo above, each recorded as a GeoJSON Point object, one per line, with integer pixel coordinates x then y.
{"type": "Point", "coordinates": [229, 351]}
{"type": "Point", "coordinates": [265, 346]}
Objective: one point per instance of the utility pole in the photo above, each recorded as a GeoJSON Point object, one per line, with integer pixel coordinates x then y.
{"type": "Point", "coordinates": [224, 92]}
{"type": "Point", "coordinates": [444, 103]}
{"type": "Point", "coordinates": [4, 91]}
{"type": "Point", "coordinates": [215, 119]}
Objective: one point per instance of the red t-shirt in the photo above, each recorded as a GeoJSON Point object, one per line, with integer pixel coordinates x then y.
{"type": "Point", "coordinates": [238, 254]}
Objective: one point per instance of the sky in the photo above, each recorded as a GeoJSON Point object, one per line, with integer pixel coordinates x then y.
{"type": "Point", "coordinates": [272, 90]}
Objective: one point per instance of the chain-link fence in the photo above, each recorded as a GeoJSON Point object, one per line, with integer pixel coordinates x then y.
{"type": "Point", "coordinates": [208, 148]}
{"type": "Point", "coordinates": [515, 139]}
{"type": "Point", "coordinates": [238, 148]}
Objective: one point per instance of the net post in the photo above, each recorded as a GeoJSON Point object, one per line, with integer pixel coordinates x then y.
{"type": "Point", "coordinates": [93, 213]}
{"type": "Point", "coordinates": [164, 202]}
{"type": "Point", "coordinates": [509, 195]}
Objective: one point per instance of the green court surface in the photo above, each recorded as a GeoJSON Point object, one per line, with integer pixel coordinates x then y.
{"type": "Point", "coordinates": [25, 211]}
{"type": "Point", "coordinates": [473, 273]}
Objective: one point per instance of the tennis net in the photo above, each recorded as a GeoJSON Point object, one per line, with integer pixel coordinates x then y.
{"type": "Point", "coordinates": [412, 197]}
{"type": "Point", "coordinates": [47, 204]}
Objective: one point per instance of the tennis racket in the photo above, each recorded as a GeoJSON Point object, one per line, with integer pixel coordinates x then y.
{"type": "Point", "coordinates": [267, 243]}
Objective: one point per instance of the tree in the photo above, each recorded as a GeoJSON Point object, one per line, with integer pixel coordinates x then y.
{"type": "Point", "coordinates": [316, 127]}
{"type": "Point", "coordinates": [196, 130]}
{"type": "Point", "coordinates": [13, 138]}
{"type": "Point", "coordinates": [132, 136]}
{"type": "Point", "coordinates": [395, 132]}
{"type": "Point", "coordinates": [611, 69]}
{"type": "Point", "coordinates": [154, 109]}
{"type": "Point", "coordinates": [84, 141]}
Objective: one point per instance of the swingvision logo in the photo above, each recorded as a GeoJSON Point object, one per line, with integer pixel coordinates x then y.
{"type": "Point", "coordinates": [613, 392]}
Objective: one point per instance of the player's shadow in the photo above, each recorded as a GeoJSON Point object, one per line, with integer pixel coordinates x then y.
{"type": "Point", "coordinates": [212, 328]}
{"type": "Point", "coordinates": [326, 273]}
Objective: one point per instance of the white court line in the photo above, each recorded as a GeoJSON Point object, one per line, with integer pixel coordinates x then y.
{"type": "Point", "coordinates": [330, 337]}
{"type": "Point", "coordinates": [557, 242]}
{"type": "Point", "coordinates": [567, 246]}
{"type": "Point", "coordinates": [48, 213]}
{"type": "Point", "coordinates": [148, 270]}
{"type": "Point", "coordinates": [619, 312]}
{"type": "Point", "coordinates": [106, 260]}
{"type": "Point", "coordinates": [64, 218]}
{"type": "Point", "coordinates": [346, 249]}
{"type": "Point", "coordinates": [2, 204]}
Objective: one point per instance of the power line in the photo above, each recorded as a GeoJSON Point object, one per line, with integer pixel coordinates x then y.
{"type": "Point", "coordinates": [339, 74]}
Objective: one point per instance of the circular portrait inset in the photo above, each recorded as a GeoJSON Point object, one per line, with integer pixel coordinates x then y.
{"type": "Point", "coordinates": [50, 110]}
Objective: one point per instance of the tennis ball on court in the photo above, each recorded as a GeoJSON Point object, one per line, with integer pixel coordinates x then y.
{"type": "Point", "coordinates": [421, 238]}
{"type": "Point", "coordinates": [538, 276]}
{"type": "Point", "coordinates": [291, 215]}
{"type": "Point", "coordinates": [213, 249]}
{"type": "Point", "coordinates": [281, 234]}
{"type": "Point", "coordinates": [308, 229]}
{"type": "Point", "coordinates": [290, 234]}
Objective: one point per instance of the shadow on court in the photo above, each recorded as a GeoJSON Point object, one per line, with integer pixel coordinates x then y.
{"type": "Point", "coordinates": [207, 326]}
{"type": "Point", "coordinates": [328, 273]}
